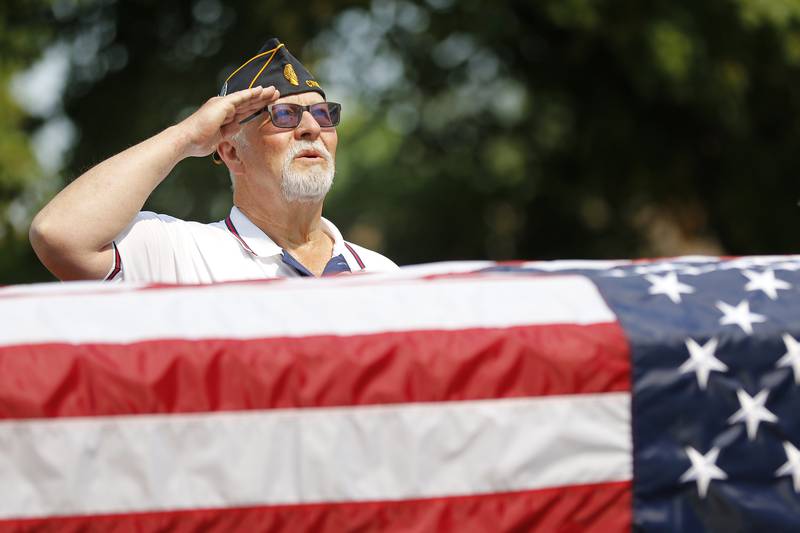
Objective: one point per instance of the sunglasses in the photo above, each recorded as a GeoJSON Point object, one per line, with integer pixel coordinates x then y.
{"type": "Point", "coordinates": [327, 114]}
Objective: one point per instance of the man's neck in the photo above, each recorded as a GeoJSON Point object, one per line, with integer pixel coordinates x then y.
{"type": "Point", "coordinates": [291, 225]}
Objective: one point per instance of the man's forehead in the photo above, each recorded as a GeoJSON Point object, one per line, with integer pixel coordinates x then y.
{"type": "Point", "coordinates": [302, 98]}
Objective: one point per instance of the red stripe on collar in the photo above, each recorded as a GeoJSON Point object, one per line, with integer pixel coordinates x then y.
{"type": "Point", "coordinates": [232, 229]}
{"type": "Point", "coordinates": [358, 259]}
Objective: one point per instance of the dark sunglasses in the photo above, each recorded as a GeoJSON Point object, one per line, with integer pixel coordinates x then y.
{"type": "Point", "coordinates": [327, 114]}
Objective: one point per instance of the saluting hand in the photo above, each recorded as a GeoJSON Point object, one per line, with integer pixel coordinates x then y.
{"type": "Point", "coordinates": [219, 118]}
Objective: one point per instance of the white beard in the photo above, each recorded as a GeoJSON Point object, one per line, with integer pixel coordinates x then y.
{"type": "Point", "coordinates": [309, 184]}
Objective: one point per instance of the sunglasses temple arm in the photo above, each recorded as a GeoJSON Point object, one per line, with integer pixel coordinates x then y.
{"type": "Point", "coordinates": [251, 117]}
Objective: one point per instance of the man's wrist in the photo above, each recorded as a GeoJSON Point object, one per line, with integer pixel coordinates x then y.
{"type": "Point", "coordinates": [180, 141]}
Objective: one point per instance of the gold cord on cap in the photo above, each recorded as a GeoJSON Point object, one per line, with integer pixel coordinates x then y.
{"type": "Point", "coordinates": [262, 54]}
{"type": "Point", "coordinates": [275, 51]}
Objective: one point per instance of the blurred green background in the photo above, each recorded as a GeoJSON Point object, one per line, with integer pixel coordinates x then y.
{"type": "Point", "coordinates": [499, 130]}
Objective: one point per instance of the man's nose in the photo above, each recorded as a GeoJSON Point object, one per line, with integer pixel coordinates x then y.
{"type": "Point", "coordinates": [308, 128]}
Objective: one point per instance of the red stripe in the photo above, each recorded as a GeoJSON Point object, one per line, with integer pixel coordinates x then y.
{"type": "Point", "coordinates": [117, 263]}
{"type": "Point", "coordinates": [601, 508]}
{"type": "Point", "coordinates": [181, 376]}
{"type": "Point", "coordinates": [232, 229]}
{"type": "Point", "coordinates": [353, 252]}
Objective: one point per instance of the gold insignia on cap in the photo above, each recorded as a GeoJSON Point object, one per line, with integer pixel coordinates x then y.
{"type": "Point", "coordinates": [312, 83]}
{"type": "Point", "coordinates": [290, 74]}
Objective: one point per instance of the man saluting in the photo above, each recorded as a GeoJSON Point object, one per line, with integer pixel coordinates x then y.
{"type": "Point", "coordinates": [276, 132]}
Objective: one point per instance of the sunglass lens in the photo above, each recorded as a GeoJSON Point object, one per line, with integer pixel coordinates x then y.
{"type": "Point", "coordinates": [335, 111]}
{"type": "Point", "coordinates": [326, 114]}
{"type": "Point", "coordinates": [286, 115]}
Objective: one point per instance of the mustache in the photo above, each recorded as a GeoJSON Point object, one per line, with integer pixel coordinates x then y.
{"type": "Point", "coordinates": [298, 146]}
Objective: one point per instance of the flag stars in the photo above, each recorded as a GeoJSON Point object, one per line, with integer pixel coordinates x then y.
{"type": "Point", "coordinates": [792, 356]}
{"type": "Point", "coordinates": [739, 315]}
{"type": "Point", "coordinates": [703, 469]}
{"type": "Point", "coordinates": [702, 361]}
{"type": "Point", "coordinates": [752, 412]}
{"type": "Point", "coordinates": [791, 466]}
{"type": "Point", "coordinates": [766, 282]}
{"type": "Point", "coordinates": [669, 286]}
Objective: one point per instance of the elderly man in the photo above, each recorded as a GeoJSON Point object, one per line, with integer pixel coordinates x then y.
{"type": "Point", "coordinates": [275, 131]}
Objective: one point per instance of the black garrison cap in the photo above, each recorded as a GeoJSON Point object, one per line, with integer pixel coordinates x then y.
{"type": "Point", "coordinates": [272, 65]}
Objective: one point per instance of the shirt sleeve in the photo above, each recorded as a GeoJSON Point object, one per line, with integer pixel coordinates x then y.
{"type": "Point", "coordinates": [146, 249]}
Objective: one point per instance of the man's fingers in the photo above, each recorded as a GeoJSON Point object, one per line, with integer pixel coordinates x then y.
{"type": "Point", "coordinates": [258, 100]}
{"type": "Point", "coordinates": [245, 105]}
{"type": "Point", "coordinates": [268, 92]}
{"type": "Point", "coordinates": [239, 97]}
{"type": "Point", "coordinates": [249, 95]}
{"type": "Point", "coordinates": [261, 100]}
{"type": "Point", "coordinates": [250, 109]}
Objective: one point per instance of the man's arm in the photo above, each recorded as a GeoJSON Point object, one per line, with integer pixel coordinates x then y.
{"type": "Point", "coordinates": [72, 234]}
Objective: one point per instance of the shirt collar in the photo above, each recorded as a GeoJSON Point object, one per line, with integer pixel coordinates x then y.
{"type": "Point", "coordinates": [333, 233]}
{"type": "Point", "coordinates": [250, 236]}
{"type": "Point", "coordinates": [340, 247]}
{"type": "Point", "coordinates": [258, 243]}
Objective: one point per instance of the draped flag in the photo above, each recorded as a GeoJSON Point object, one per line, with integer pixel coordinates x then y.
{"type": "Point", "coordinates": [548, 396]}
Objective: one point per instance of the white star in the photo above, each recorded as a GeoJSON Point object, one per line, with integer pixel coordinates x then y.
{"type": "Point", "coordinates": [739, 316]}
{"type": "Point", "coordinates": [791, 466]}
{"type": "Point", "coordinates": [703, 469]}
{"type": "Point", "coordinates": [752, 411]}
{"type": "Point", "coordinates": [702, 361]}
{"type": "Point", "coordinates": [766, 282]}
{"type": "Point", "coordinates": [668, 285]}
{"type": "Point", "coordinates": [792, 356]}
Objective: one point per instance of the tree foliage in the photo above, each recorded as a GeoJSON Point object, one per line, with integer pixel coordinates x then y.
{"type": "Point", "coordinates": [517, 129]}
{"type": "Point", "coordinates": [23, 35]}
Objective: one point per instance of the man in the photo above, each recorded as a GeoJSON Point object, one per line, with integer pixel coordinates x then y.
{"type": "Point", "coordinates": [275, 131]}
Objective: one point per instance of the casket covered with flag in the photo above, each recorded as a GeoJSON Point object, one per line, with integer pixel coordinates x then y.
{"type": "Point", "coordinates": [550, 396]}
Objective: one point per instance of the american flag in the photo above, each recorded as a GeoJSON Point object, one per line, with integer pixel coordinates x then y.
{"type": "Point", "coordinates": [548, 396]}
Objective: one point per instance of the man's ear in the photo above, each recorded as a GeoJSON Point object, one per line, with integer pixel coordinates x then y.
{"type": "Point", "coordinates": [228, 153]}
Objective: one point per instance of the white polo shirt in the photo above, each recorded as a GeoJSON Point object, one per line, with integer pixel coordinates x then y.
{"type": "Point", "coordinates": [163, 249]}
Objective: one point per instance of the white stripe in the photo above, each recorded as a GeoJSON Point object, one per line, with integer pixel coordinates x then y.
{"type": "Point", "coordinates": [129, 464]}
{"type": "Point", "coordinates": [572, 264]}
{"type": "Point", "coordinates": [54, 288]}
{"type": "Point", "coordinates": [442, 267]}
{"type": "Point", "coordinates": [356, 305]}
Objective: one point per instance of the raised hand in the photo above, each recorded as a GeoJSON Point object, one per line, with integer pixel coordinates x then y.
{"type": "Point", "coordinates": [219, 118]}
